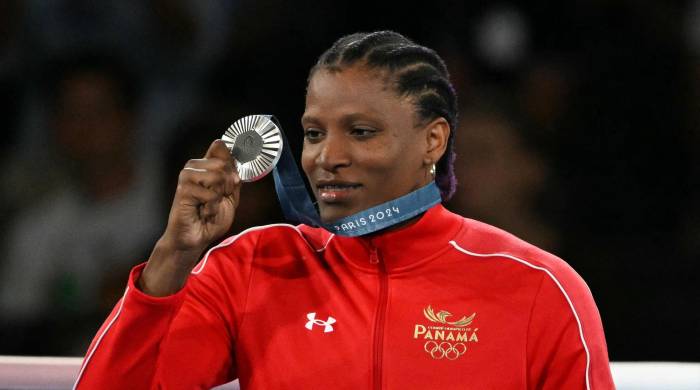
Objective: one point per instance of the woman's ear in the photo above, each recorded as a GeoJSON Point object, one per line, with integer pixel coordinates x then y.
{"type": "Point", "coordinates": [436, 135]}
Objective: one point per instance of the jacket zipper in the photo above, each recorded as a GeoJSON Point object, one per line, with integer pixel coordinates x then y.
{"type": "Point", "coordinates": [380, 316]}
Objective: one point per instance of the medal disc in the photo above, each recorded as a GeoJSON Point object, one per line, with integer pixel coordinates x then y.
{"type": "Point", "coordinates": [256, 144]}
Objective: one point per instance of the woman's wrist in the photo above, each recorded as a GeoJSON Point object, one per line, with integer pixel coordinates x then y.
{"type": "Point", "coordinates": [167, 269]}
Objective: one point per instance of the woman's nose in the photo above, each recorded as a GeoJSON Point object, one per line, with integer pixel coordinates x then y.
{"type": "Point", "coordinates": [334, 153]}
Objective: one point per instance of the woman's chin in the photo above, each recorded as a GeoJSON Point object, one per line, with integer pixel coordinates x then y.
{"type": "Point", "coordinates": [333, 212]}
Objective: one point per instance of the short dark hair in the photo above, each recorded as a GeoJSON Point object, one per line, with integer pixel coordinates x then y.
{"type": "Point", "coordinates": [416, 71]}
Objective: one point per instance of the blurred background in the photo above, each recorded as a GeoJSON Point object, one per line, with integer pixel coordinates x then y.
{"type": "Point", "coordinates": [579, 132]}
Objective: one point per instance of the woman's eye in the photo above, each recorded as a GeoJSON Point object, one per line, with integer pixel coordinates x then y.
{"type": "Point", "coordinates": [312, 134]}
{"type": "Point", "coordinates": [362, 132]}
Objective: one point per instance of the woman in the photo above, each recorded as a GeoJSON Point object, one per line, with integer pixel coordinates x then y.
{"type": "Point", "coordinates": [433, 301]}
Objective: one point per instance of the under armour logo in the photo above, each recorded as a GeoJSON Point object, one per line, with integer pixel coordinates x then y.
{"type": "Point", "coordinates": [327, 324]}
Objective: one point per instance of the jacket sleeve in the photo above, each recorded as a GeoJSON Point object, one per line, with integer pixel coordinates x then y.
{"type": "Point", "coordinates": [566, 346]}
{"type": "Point", "coordinates": [182, 341]}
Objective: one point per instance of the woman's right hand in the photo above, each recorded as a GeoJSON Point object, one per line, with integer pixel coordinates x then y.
{"type": "Point", "coordinates": [205, 202]}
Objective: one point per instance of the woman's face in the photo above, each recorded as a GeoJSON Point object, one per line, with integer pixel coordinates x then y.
{"type": "Point", "coordinates": [361, 144]}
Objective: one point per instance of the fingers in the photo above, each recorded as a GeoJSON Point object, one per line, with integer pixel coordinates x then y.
{"type": "Point", "coordinates": [204, 182]}
{"type": "Point", "coordinates": [211, 173]}
{"type": "Point", "coordinates": [206, 201]}
{"type": "Point", "coordinates": [208, 178]}
{"type": "Point", "coordinates": [219, 152]}
{"type": "Point", "coordinates": [218, 149]}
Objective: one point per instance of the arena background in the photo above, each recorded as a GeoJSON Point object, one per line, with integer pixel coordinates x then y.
{"type": "Point", "coordinates": [578, 132]}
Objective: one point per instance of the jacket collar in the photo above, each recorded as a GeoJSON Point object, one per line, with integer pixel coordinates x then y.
{"type": "Point", "coordinates": [395, 249]}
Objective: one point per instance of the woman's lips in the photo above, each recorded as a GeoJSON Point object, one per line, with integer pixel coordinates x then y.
{"type": "Point", "coordinates": [332, 193]}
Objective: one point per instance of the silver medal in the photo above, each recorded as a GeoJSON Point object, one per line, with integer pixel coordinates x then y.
{"type": "Point", "coordinates": [256, 144]}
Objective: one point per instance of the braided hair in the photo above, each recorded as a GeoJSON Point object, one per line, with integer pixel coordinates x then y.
{"type": "Point", "coordinates": [414, 71]}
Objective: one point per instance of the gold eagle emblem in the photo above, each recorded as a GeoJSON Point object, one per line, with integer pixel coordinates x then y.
{"type": "Point", "coordinates": [441, 317]}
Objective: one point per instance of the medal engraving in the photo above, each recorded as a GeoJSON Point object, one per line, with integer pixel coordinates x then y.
{"type": "Point", "coordinates": [256, 145]}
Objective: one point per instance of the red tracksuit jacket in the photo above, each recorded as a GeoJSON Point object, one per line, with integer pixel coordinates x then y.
{"type": "Point", "coordinates": [446, 303]}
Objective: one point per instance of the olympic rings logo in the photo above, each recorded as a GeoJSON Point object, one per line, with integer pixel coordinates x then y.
{"type": "Point", "coordinates": [444, 350]}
